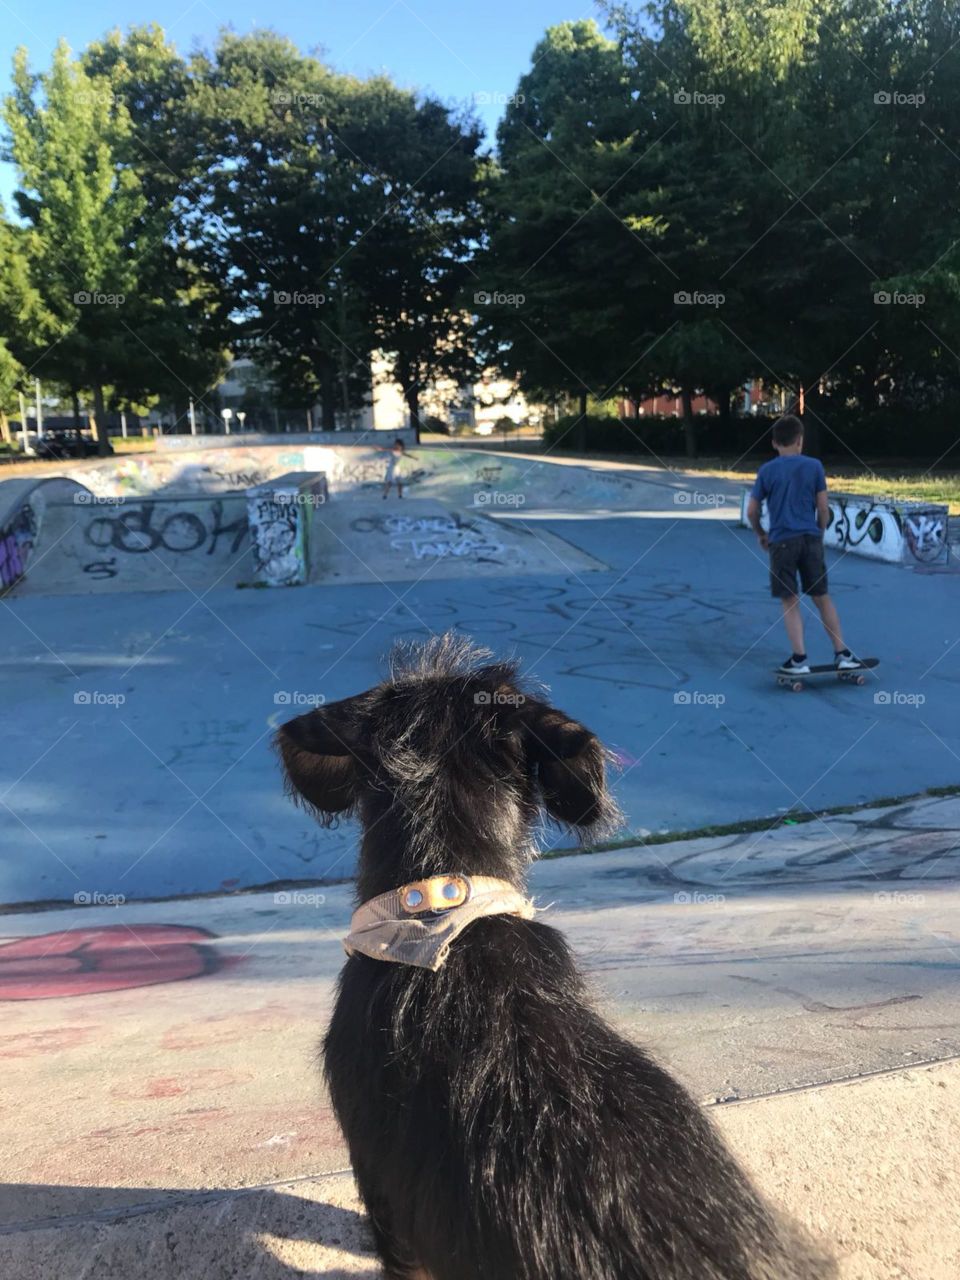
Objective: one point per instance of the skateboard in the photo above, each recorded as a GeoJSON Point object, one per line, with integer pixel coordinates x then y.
{"type": "Point", "coordinates": [787, 680]}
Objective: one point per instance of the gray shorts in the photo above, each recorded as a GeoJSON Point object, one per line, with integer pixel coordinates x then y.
{"type": "Point", "coordinates": [801, 556]}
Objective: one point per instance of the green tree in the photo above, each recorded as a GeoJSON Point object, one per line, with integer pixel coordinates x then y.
{"type": "Point", "coordinates": [79, 204]}
{"type": "Point", "coordinates": [557, 313]}
{"type": "Point", "coordinates": [413, 261]}
{"type": "Point", "coordinates": [185, 354]}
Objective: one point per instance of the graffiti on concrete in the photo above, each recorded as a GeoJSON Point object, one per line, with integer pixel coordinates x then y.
{"type": "Point", "coordinates": [926, 534]}
{"type": "Point", "coordinates": [434, 537]}
{"type": "Point", "coordinates": [16, 542]}
{"type": "Point", "coordinates": [853, 523]}
{"type": "Point", "coordinates": [277, 535]}
{"type": "Point", "coordinates": [83, 962]}
{"type": "Point", "coordinates": [371, 471]}
{"type": "Point", "coordinates": [144, 527]}
{"type": "Point", "coordinates": [887, 530]}
{"type": "Point", "coordinates": [881, 528]}
{"type": "Point", "coordinates": [101, 568]}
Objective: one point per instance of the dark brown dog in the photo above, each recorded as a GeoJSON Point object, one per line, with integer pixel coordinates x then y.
{"type": "Point", "coordinates": [498, 1128]}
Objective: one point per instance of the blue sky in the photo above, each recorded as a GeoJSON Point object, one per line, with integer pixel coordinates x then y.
{"type": "Point", "coordinates": [456, 48]}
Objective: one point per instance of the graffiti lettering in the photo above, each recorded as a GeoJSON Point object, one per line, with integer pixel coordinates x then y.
{"type": "Point", "coordinates": [277, 548]}
{"type": "Point", "coordinates": [16, 543]}
{"type": "Point", "coordinates": [467, 545]}
{"type": "Point", "coordinates": [926, 535]}
{"type": "Point", "coordinates": [101, 568]}
{"type": "Point", "coordinates": [134, 530]}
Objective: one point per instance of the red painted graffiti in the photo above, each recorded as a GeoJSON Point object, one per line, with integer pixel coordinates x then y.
{"type": "Point", "coordinates": [82, 962]}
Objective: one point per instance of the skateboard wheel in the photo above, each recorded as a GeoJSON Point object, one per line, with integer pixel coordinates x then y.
{"type": "Point", "coordinates": [797, 686]}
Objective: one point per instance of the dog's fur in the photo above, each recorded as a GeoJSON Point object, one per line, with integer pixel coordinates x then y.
{"type": "Point", "coordinates": [498, 1128]}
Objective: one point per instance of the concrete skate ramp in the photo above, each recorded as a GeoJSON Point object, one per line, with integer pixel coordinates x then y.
{"type": "Point", "coordinates": [140, 544]}
{"type": "Point", "coordinates": [163, 522]}
{"type": "Point", "coordinates": [492, 483]}
{"type": "Point", "coordinates": [363, 539]}
{"type": "Point", "coordinates": [23, 504]}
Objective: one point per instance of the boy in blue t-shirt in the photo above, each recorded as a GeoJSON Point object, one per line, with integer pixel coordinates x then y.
{"type": "Point", "coordinates": [795, 489]}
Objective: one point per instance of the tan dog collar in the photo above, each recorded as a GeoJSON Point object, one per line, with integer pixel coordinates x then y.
{"type": "Point", "coordinates": [417, 923]}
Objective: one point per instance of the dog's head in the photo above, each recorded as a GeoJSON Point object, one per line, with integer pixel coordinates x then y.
{"type": "Point", "coordinates": [448, 763]}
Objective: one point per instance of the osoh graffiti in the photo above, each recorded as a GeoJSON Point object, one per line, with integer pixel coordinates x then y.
{"type": "Point", "coordinates": [139, 529]}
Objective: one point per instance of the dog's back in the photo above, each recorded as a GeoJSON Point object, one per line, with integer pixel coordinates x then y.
{"type": "Point", "coordinates": [499, 1128]}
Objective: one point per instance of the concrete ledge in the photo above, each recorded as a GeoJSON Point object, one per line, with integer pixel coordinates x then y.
{"type": "Point", "coordinates": [171, 444]}
{"type": "Point", "coordinates": [870, 1168]}
{"type": "Point", "coordinates": [908, 533]}
{"type": "Point", "coordinates": [279, 514]}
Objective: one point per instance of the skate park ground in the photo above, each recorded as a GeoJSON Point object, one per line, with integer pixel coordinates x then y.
{"type": "Point", "coordinates": [167, 1118]}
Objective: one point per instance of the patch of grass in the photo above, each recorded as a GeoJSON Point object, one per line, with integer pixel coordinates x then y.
{"type": "Point", "coordinates": [133, 444]}
{"type": "Point", "coordinates": [899, 481]}
{"type": "Point", "coordinates": [793, 817]}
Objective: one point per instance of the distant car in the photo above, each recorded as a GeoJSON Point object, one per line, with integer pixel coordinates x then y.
{"type": "Point", "coordinates": [483, 429]}
{"type": "Point", "coordinates": [65, 442]}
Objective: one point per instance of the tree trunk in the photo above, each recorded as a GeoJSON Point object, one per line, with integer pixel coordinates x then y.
{"type": "Point", "coordinates": [328, 401]}
{"type": "Point", "coordinates": [580, 435]}
{"type": "Point", "coordinates": [100, 421]}
{"type": "Point", "coordinates": [5, 428]}
{"type": "Point", "coordinates": [689, 423]}
{"type": "Point", "coordinates": [723, 407]}
{"type": "Point", "coordinates": [74, 396]}
{"type": "Point", "coordinates": [412, 397]}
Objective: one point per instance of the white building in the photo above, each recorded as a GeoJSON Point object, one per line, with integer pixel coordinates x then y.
{"type": "Point", "coordinates": [478, 408]}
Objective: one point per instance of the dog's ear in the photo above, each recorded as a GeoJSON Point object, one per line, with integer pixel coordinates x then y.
{"type": "Point", "coordinates": [571, 767]}
{"type": "Point", "coordinates": [318, 753]}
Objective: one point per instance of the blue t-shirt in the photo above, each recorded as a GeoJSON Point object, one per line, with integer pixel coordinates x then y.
{"type": "Point", "coordinates": [790, 485]}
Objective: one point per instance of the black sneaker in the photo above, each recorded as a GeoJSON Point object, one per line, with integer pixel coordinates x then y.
{"type": "Point", "coordinates": [795, 666]}
{"type": "Point", "coordinates": [845, 661]}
